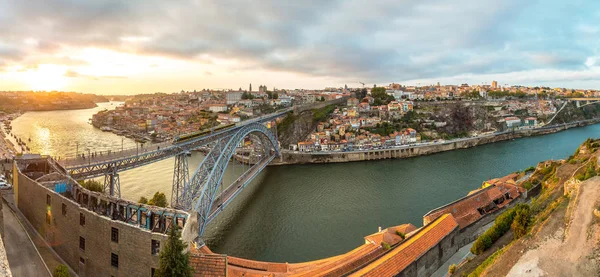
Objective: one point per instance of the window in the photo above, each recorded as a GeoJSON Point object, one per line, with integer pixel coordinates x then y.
{"type": "Point", "coordinates": [153, 270]}
{"type": "Point", "coordinates": [114, 260]}
{"type": "Point", "coordinates": [114, 234]}
{"type": "Point", "coordinates": [64, 209]}
{"type": "Point", "coordinates": [81, 219]}
{"type": "Point", "coordinates": [82, 243]}
{"type": "Point", "coordinates": [48, 199]}
{"type": "Point", "coordinates": [155, 247]}
{"type": "Point", "coordinates": [81, 260]}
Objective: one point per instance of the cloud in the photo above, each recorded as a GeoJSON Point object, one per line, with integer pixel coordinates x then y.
{"type": "Point", "coordinates": [375, 41]}
{"type": "Point", "coordinates": [74, 74]}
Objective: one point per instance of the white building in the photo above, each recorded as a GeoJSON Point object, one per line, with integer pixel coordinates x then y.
{"type": "Point", "coordinates": [233, 97]}
{"type": "Point", "coordinates": [217, 108]}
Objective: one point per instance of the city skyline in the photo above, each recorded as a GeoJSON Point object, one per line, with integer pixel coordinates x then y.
{"type": "Point", "coordinates": [141, 47]}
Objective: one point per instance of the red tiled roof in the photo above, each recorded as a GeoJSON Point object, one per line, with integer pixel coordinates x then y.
{"type": "Point", "coordinates": [397, 259]}
{"type": "Point", "coordinates": [209, 265]}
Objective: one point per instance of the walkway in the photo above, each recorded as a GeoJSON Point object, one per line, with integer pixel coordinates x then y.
{"type": "Point", "coordinates": [23, 257]}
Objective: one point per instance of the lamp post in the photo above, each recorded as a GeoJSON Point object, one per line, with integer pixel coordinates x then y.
{"type": "Point", "coordinates": [89, 157]}
{"type": "Point", "coordinates": [122, 144]}
{"type": "Point", "coordinates": [77, 149]}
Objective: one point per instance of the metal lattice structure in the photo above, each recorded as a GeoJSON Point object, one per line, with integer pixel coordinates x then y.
{"type": "Point", "coordinates": [181, 175]}
{"type": "Point", "coordinates": [81, 168]}
{"type": "Point", "coordinates": [201, 191]}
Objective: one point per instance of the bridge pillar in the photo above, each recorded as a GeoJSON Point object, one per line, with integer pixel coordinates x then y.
{"type": "Point", "coordinates": [180, 176]}
{"type": "Point", "coordinates": [112, 182]}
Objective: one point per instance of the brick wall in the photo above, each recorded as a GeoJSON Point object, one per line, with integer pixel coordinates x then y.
{"type": "Point", "coordinates": [64, 231]}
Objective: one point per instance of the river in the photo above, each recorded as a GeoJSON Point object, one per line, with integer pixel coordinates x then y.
{"type": "Point", "coordinates": [298, 213]}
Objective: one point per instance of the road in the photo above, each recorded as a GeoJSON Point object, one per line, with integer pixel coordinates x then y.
{"type": "Point", "coordinates": [23, 257]}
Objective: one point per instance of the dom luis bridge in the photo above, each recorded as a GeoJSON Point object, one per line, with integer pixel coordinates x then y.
{"type": "Point", "coordinates": [197, 192]}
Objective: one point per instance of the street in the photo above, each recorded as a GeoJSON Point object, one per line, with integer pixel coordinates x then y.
{"type": "Point", "coordinates": [23, 257]}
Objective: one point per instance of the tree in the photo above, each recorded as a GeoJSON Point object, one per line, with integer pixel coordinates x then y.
{"type": "Point", "coordinates": [275, 95]}
{"type": "Point", "coordinates": [92, 185]}
{"type": "Point", "coordinates": [61, 271]}
{"type": "Point", "coordinates": [361, 93]}
{"type": "Point", "coordinates": [159, 199]}
{"type": "Point", "coordinates": [143, 200]}
{"type": "Point", "coordinates": [381, 97]}
{"type": "Point", "coordinates": [173, 261]}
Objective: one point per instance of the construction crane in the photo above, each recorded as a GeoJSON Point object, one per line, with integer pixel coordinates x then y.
{"type": "Point", "coordinates": [362, 84]}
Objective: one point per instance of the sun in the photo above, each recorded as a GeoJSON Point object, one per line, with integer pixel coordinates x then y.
{"type": "Point", "coordinates": [46, 77]}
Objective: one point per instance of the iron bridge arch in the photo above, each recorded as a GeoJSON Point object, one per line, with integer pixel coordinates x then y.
{"type": "Point", "coordinates": [200, 191]}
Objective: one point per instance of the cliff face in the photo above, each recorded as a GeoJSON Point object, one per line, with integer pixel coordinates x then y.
{"type": "Point", "coordinates": [295, 128]}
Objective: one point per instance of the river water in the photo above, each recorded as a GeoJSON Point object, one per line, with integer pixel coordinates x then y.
{"type": "Point", "coordinates": [298, 213]}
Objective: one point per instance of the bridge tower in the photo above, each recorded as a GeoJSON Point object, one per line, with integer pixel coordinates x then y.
{"type": "Point", "coordinates": [112, 182]}
{"type": "Point", "coordinates": [181, 175]}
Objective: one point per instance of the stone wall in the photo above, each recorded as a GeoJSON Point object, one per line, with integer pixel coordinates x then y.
{"type": "Point", "coordinates": [435, 257]}
{"type": "Point", "coordinates": [59, 224]}
{"type": "Point", "coordinates": [290, 157]}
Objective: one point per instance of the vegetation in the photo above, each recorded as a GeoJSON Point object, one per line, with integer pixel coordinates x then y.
{"type": "Point", "coordinates": [173, 261]}
{"type": "Point", "coordinates": [385, 245]}
{"type": "Point", "coordinates": [521, 221]}
{"type": "Point", "coordinates": [286, 123]}
{"type": "Point", "coordinates": [143, 200]}
{"type": "Point", "coordinates": [400, 234]}
{"type": "Point", "coordinates": [247, 95]}
{"type": "Point", "coordinates": [452, 269]}
{"type": "Point", "coordinates": [589, 172]}
{"type": "Point", "coordinates": [92, 185]}
{"type": "Point", "coordinates": [361, 94]}
{"type": "Point", "coordinates": [502, 94]}
{"type": "Point", "coordinates": [477, 272]}
{"type": "Point", "coordinates": [61, 271]}
{"type": "Point", "coordinates": [381, 97]}
{"type": "Point", "coordinates": [322, 113]}
{"type": "Point", "coordinates": [501, 225]}
{"type": "Point", "coordinates": [159, 199]}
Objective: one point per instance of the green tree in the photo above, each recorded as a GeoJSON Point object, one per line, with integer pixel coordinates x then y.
{"type": "Point", "coordinates": [143, 200]}
{"type": "Point", "coordinates": [521, 222]}
{"type": "Point", "coordinates": [92, 185]}
{"type": "Point", "coordinates": [159, 199]}
{"type": "Point", "coordinates": [275, 95]}
{"type": "Point", "coordinates": [61, 271]}
{"type": "Point", "coordinates": [361, 93]}
{"type": "Point", "coordinates": [173, 261]}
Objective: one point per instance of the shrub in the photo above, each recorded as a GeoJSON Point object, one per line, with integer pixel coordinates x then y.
{"type": "Point", "coordinates": [159, 199]}
{"type": "Point", "coordinates": [402, 235]}
{"type": "Point", "coordinates": [143, 200]}
{"type": "Point", "coordinates": [501, 225]}
{"type": "Point", "coordinates": [61, 271]}
{"type": "Point", "coordinates": [452, 269]}
{"type": "Point", "coordinates": [92, 185]}
{"type": "Point", "coordinates": [521, 221]}
{"type": "Point", "coordinates": [385, 245]}
{"type": "Point", "coordinates": [527, 185]}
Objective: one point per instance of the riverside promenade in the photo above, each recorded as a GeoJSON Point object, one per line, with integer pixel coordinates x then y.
{"type": "Point", "coordinates": [419, 149]}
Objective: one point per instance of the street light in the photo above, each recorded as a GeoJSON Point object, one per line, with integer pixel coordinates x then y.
{"type": "Point", "coordinates": [77, 149]}
{"type": "Point", "coordinates": [89, 157]}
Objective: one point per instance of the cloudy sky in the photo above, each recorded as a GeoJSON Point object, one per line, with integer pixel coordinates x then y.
{"type": "Point", "coordinates": [141, 46]}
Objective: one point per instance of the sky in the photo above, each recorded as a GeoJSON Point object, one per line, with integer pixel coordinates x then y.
{"type": "Point", "coordinates": [146, 46]}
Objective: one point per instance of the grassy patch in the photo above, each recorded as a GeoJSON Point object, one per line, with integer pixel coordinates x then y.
{"type": "Point", "coordinates": [490, 260]}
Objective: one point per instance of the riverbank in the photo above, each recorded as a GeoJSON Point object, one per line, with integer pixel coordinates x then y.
{"type": "Point", "coordinates": [294, 157]}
